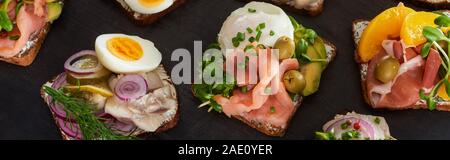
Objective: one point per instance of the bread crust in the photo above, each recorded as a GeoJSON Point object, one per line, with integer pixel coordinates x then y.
{"type": "Point", "coordinates": [27, 57]}
{"type": "Point", "coordinates": [138, 133]}
{"type": "Point", "coordinates": [433, 5]}
{"type": "Point", "coordinates": [310, 11]}
{"type": "Point", "coordinates": [147, 19]}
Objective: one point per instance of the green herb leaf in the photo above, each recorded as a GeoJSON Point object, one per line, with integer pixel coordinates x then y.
{"type": "Point", "coordinates": [251, 39]}
{"type": "Point", "coordinates": [260, 27]}
{"type": "Point", "coordinates": [350, 135]}
{"type": "Point", "coordinates": [258, 35]}
{"type": "Point", "coordinates": [214, 46]}
{"type": "Point", "coordinates": [377, 120]}
{"type": "Point", "coordinates": [345, 125]}
{"type": "Point", "coordinates": [84, 114]}
{"type": "Point", "coordinates": [433, 34]}
{"type": "Point", "coordinates": [325, 136]}
{"type": "Point", "coordinates": [244, 89]}
{"type": "Point", "coordinates": [443, 21]}
{"type": "Point", "coordinates": [238, 39]}
{"type": "Point", "coordinates": [426, 49]}
{"type": "Point", "coordinates": [249, 30]}
{"type": "Point", "coordinates": [272, 109]}
{"type": "Point", "coordinates": [14, 38]}
{"type": "Point", "coordinates": [310, 35]}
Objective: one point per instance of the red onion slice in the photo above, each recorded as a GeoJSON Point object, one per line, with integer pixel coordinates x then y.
{"type": "Point", "coordinates": [131, 87]}
{"type": "Point", "coordinates": [70, 67]}
{"type": "Point", "coordinates": [71, 129]}
{"type": "Point", "coordinates": [366, 127]}
{"type": "Point", "coordinates": [60, 80]}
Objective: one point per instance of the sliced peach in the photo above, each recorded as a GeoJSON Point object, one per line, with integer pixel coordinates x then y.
{"type": "Point", "coordinates": [412, 28]}
{"type": "Point", "coordinates": [386, 25]}
{"type": "Point", "coordinates": [443, 94]}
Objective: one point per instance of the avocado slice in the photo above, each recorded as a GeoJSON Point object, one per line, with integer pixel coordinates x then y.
{"type": "Point", "coordinates": [312, 72]}
{"type": "Point", "coordinates": [54, 10]}
{"type": "Point", "coordinates": [319, 48]}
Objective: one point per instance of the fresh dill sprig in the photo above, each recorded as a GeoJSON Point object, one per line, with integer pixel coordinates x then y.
{"type": "Point", "coordinates": [84, 114]}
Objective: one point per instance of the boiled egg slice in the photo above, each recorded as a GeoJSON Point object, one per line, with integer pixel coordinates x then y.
{"type": "Point", "coordinates": [149, 6]}
{"type": "Point", "coordinates": [273, 23]}
{"type": "Point", "coordinates": [123, 54]}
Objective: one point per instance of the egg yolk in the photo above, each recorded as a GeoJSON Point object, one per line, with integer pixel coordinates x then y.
{"type": "Point", "coordinates": [150, 3]}
{"type": "Point", "coordinates": [125, 48]}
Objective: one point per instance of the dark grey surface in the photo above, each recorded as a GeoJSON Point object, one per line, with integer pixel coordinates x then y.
{"type": "Point", "coordinates": [23, 114]}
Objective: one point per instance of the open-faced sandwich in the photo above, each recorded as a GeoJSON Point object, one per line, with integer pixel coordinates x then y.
{"type": "Point", "coordinates": [436, 4]}
{"type": "Point", "coordinates": [118, 91]}
{"type": "Point", "coordinates": [23, 27]}
{"type": "Point", "coordinates": [353, 126]}
{"type": "Point", "coordinates": [271, 62]}
{"type": "Point", "coordinates": [145, 12]}
{"type": "Point", "coordinates": [403, 58]}
{"type": "Point", "coordinates": [310, 7]}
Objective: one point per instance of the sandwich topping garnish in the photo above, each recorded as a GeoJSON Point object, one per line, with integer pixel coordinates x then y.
{"type": "Point", "coordinates": [263, 62]}
{"type": "Point", "coordinates": [353, 126]}
{"type": "Point", "coordinates": [407, 63]}
{"type": "Point", "coordinates": [83, 113]}
{"type": "Point", "coordinates": [437, 39]}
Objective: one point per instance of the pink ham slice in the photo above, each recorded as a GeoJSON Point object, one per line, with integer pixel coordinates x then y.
{"type": "Point", "coordinates": [431, 69]}
{"type": "Point", "coordinates": [403, 92]}
{"type": "Point", "coordinates": [27, 23]}
{"type": "Point", "coordinates": [12, 10]}
{"type": "Point", "coordinates": [243, 104]}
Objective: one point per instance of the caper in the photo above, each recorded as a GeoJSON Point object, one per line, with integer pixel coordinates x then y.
{"type": "Point", "coordinates": [294, 81]}
{"type": "Point", "coordinates": [387, 69]}
{"type": "Point", "coordinates": [285, 46]}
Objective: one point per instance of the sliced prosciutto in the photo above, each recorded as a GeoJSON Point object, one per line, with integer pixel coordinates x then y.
{"type": "Point", "coordinates": [257, 105]}
{"type": "Point", "coordinates": [403, 91]}
{"type": "Point", "coordinates": [27, 24]}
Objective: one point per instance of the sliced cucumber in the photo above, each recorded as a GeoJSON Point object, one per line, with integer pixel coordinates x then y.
{"type": "Point", "coordinates": [92, 79]}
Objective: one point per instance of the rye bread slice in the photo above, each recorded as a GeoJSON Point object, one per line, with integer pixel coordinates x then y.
{"type": "Point", "coordinates": [279, 131]}
{"type": "Point", "coordinates": [136, 132]}
{"type": "Point", "coordinates": [312, 10]}
{"type": "Point", "coordinates": [358, 28]}
{"type": "Point", "coordinates": [147, 19]}
{"type": "Point", "coordinates": [434, 4]}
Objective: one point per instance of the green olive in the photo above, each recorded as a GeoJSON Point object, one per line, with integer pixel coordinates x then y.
{"type": "Point", "coordinates": [285, 46]}
{"type": "Point", "coordinates": [294, 81]}
{"type": "Point", "coordinates": [387, 69]}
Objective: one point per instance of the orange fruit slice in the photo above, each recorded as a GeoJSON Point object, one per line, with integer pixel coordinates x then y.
{"type": "Point", "coordinates": [443, 94]}
{"type": "Point", "coordinates": [412, 28]}
{"type": "Point", "coordinates": [386, 25]}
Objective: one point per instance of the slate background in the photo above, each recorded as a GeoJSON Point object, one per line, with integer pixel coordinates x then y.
{"type": "Point", "coordinates": [23, 114]}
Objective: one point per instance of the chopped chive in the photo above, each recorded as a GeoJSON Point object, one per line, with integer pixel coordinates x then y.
{"type": "Point", "coordinates": [272, 33]}
{"type": "Point", "coordinates": [251, 39]}
{"type": "Point", "coordinates": [258, 35]}
{"type": "Point", "coordinates": [260, 27]}
{"type": "Point", "coordinates": [248, 47]}
{"type": "Point", "coordinates": [249, 30]}
{"type": "Point", "coordinates": [377, 120]}
{"type": "Point", "coordinates": [244, 89]}
{"type": "Point", "coordinates": [238, 39]}
{"type": "Point", "coordinates": [272, 109]}
{"type": "Point", "coordinates": [251, 10]}
{"type": "Point", "coordinates": [14, 38]}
